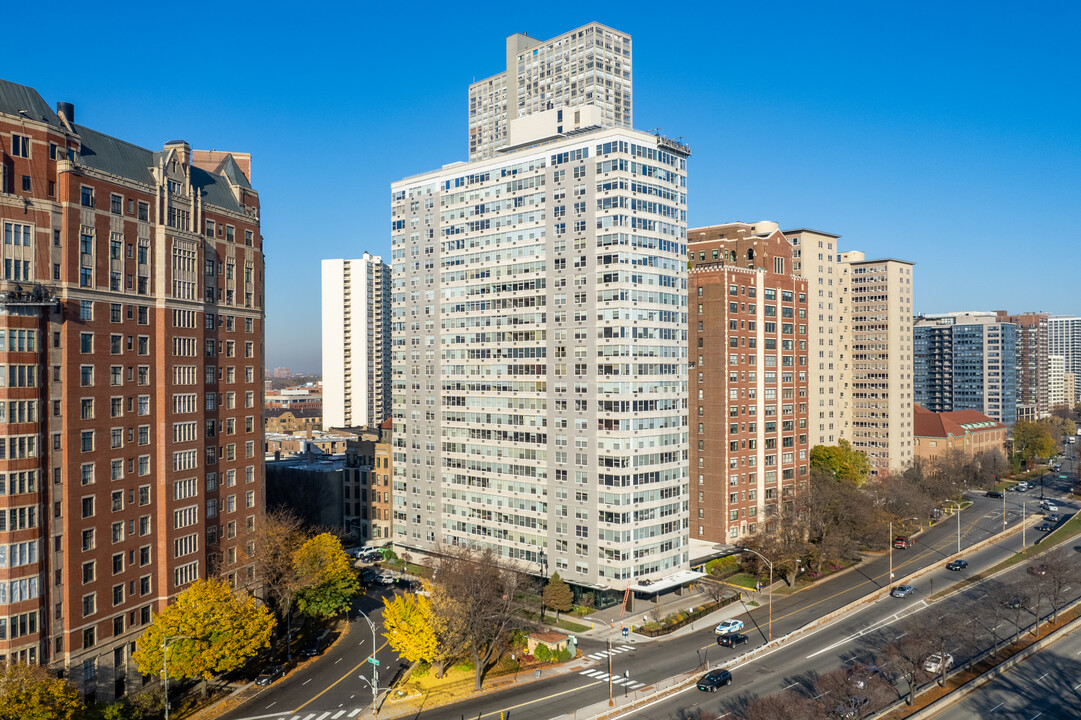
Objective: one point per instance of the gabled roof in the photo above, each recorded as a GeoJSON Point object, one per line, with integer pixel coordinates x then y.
{"type": "Point", "coordinates": [15, 97]}
{"type": "Point", "coordinates": [108, 154]}
{"type": "Point", "coordinates": [957, 423]}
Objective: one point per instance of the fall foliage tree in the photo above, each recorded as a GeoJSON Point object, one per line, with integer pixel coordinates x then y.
{"type": "Point", "coordinates": [30, 692]}
{"type": "Point", "coordinates": [841, 461]}
{"type": "Point", "coordinates": [327, 580]}
{"type": "Point", "coordinates": [1032, 440]}
{"type": "Point", "coordinates": [558, 595]}
{"type": "Point", "coordinates": [411, 627]}
{"type": "Point", "coordinates": [221, 629]}
{"type": "Point", "coordinates": [278, 534]}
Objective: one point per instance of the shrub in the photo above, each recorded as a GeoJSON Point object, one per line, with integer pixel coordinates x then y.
{"type": "Point", "coordinates": [581, 611]}
{"type": "Point", "coordinates": [720, 566]}
{"type": "Point", "coordinates": [563, 655]}
{"type": "Point", "coordinates": [466, 666]}
{"type": "Point", "coordinates": [543, 653]}
{"type": "Point", "coordinates": [421, 670]}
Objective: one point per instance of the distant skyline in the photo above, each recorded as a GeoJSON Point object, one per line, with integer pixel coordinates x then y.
{"type": "Point", "coordinates": [943, 134]}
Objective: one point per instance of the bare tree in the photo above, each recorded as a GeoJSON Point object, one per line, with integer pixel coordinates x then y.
{"type": "Point", "coordinates": [712, 589]}
{"type": "Point", "coordinates": [1000, 601]}
{"type": "Point", "coordinates": [1061, 573]}
{"type": "Point", "coordinates": [278, 535]}
{"type": "Point", "coordinates": [970, 628]}
{"type": "Point", "coordinates": [941, 636]}
{"type": "Point", "coordinates": [907, 652]}
{"type": "Point", "coordinates": [474, 598]}
{"type": "Point", "coordinates": [784, 704]}
{"type": "Point", "coordinates": [839, 697]}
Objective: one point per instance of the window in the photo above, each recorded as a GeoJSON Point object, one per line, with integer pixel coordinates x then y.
{"type": "Point", "coordinates": [86, 343]}
{"type": "Point", "coordinates": [144, 211]}
{"type": "Point", "coordinates": [20, 145]}
{"type": "Point", "coordinates": [87, 196]}
{"type": "Point", "coordinates": [116, 204]}
{"type": "Point", "coordinates": [87, 440]}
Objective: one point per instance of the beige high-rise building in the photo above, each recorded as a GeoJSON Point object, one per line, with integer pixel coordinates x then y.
{"type": "Point", "coordinates": [876, 393]}
{"type": "Point", "coordinates": [816, 256]}
{"type": "Point", "coordinates": [577, 81]}
{"type": "Point", "coordinates": [1056, 381]}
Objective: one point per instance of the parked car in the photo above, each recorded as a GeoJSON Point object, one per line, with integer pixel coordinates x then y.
{"type": "Point", "coordinates": [938, 662]}
{"type": "Point", "coordinates": [902, 591]}
{"type": "Point", "coordinates": [903, 542]}
{"type": "Point", "coordinates": [1021, 486]}
{"type": "Point", "coordinates": [269, 675]}
{"type": "Point", "coordinates": [862, 674]}
{"type": "Point", "coordinates": [714, 679]}
{"type": "Point", "coordinates": [1045, 527]}
{"type": "Point", "coordinates": [995, 494]}
{"type": "Point", "coordinates": [728, 626]}
{"type": "Point", "coordinates": [852, 707]}
{"type": "Point", "coordinates": [385, 578]}
{"type": "Point", "coordinates": [732, 639]}
{"type": "Point", "coordinates": [1014, 602]}
{"type": "Point", "coordinates": [317, 644]}
{"type": "Point", "coordinates": [957, 564]}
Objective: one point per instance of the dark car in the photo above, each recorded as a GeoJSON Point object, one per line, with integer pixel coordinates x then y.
{"type": "Point", "coordinates": [995, 494]}
{"type": "Point", "coordinates": [714, 679]}
{"type": "Point", "coordinates": [1054, 518]}
{"type": "Point", "coordinates": [732, 639]}
{"type": "Point", "coordinates": [1045, 527]}
{"type": "Point", "coordinates": [957, 565]}
{"type": "Point", "coordinates": [317, 644]}
{"type": "Point", "coordinates": [269, 675]}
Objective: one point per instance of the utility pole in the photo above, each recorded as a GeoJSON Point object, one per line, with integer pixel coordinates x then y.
{"type": "Point", "coordinates": [165, 663]}
{"type": "Point", "coordinates": [374, 662]}
{"type": "Point", "coordinates": [611, 702]}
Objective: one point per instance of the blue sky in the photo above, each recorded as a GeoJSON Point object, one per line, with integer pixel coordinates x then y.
{"type": "Point", "coordinates": [942, 133]}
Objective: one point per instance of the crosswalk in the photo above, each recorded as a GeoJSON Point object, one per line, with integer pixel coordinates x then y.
{"type": "Point", "coordinates": [328, 715]}
{"type": "Point", "coordinates": [616, 679]}
{"type": "Point", "coordinates": [615, 651]}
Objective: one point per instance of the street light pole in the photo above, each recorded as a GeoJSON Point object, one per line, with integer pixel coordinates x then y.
{"type": "Point", "coordinates": [611, 702]}
{"type": "Point", "coordinates": [770, 564]}
{"type": "Point", "coordinates": [1024, 506]}
{"type": "Point", "coordinates": [165, 663]}
{"type": "Point", "coordinates": [889, 544]}
{"type": "Point", "coordinates": [375, 668]}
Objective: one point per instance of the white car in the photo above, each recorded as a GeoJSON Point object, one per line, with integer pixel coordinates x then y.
{"type": "Point", "coordinates": [728, 626]}
{"type": "Point", "coordinates": [1049, 506]}
{"type": "Point", "coordinates": [937, 663]}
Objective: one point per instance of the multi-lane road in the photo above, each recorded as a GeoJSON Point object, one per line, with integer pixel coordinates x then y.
{"type": "Point", "coordinates": [331, 684]}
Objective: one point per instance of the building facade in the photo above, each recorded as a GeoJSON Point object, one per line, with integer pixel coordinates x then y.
{"type": "Point", "coordinates": [356, 342]}
{"type": "Point", "coordinates": [967, 361]}
{"type": "Point", "coordinates": [540, 330]}
{"type": "Point", "coordinates": [131, 308]}
{"type": "Point", "coordinates": [1033, 364]}
{"type": "Point", "coordinates": [580, 79]}
{"type": "Point", "coordinates": [876, 391]}
{"type": "Point", "coordinates": [1056, 382]}
{"type": "Point", "coordinates": [815, 256]}
{"type": "Point", "coordinates": [1064, 338]}
{"type": "Point", "coordinates": [748, 366]}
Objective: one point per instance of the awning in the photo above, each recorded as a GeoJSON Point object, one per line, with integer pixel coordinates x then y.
{"type": "Point", "coordinates": [667, 583]}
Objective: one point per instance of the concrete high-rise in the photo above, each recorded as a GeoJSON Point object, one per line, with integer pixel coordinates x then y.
{"type": "Point", "coordinates": [1056, 383]}
{"type": "Point", "coordinates": [1064, 338]}
{"type": "Point", "coordinates": [356, 342]}
{"type": "Point", "coordinates": [876, 392]}
{"type": "Point", "coordinates": [816, 257]}
{"type": "Point", "coordinates": [131, 332]}
{"type": "Point", "coordinates": [578, 81]}
{"type": "Point", "coordinates": [967, 361]}
{"type": "Point", "coordinates": [748, 356]}
{"type": "Point", "coordinates": [1033, 364]}
{"type": "Point", "coordinates": [540, 357]}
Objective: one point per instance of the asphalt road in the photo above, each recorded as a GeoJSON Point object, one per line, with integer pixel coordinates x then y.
{"type": "Point", "coordinates": [1046, 686]}
{"type": "Point", "coordinates": [330, 685]}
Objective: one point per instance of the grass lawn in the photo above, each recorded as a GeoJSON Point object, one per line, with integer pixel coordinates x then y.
{"type": "Point", "coordinates": [563, 624]}
{"type": "Point", "coordinates": [743, 580]}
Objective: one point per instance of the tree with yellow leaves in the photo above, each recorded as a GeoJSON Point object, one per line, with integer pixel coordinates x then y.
{"type": "Point", "coordinates": [414, 632]}
{"type": "Point", "coordinates": [326, 577]}
{"type": "Point", "coordinates": [30, 692]}
{"type": "Point", "coordinates": [210, 629]}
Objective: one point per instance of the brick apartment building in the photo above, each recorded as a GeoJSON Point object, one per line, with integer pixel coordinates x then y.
{"type": "Point", "coordinates": [748, 373]}
{"type": "Point", "coordinates": [132, 327]}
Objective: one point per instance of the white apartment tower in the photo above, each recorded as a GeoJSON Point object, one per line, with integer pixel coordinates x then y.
{"type": "Point", "coordinates": [1064, 338]}
{"type": "Point", "coordinates": [876, 384]}
{"type": "Point", "coordinates": [540, 361]}
{"type": "Point", "coordinates": [356, 342]}
{"type": "Point", "coordinates": [587, 69]}
{"type": "Point", "coordinates": [815, 257]}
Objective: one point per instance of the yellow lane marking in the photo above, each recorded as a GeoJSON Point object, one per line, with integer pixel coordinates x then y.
{"type": "Point", "coordinates": [343, 677]}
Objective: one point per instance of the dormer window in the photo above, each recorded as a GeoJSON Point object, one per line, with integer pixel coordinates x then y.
{"type": "Point", "coordinates": [174, 187]}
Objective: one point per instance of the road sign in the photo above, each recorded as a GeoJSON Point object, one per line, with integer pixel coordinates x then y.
{"type": "Point", "coordinates": [373, 660]}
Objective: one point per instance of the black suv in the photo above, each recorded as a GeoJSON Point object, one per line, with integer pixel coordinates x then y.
{"type": "Point", "coordinates": [317, 644]}
{"type": "Point", "coordinates": [714, 679]}
{"type": "Point", "coordinates": [732, 639]}
{"type": "Point", "coordinates": [994, 494]}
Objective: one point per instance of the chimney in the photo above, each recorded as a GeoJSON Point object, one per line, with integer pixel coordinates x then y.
{"type": "Point", "coordinates": [67, 110]}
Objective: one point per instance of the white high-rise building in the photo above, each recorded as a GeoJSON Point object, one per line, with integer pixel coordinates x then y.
{"type": "Point", "coordinates": [1056, 382]}
{"type": "Point", "coordinates": [1064, 338]}
{"type": "Point", "coordinates": [356, 342]}
{"type": "Point", "coordinates": [540, 357]}
{"type": "Point", "coordinates": [578, 80]}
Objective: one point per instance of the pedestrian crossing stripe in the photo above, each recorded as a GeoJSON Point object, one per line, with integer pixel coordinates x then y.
{"type": "Point", "coordinates": [626, 647]}
{"type": "Point", "coordinates": [323, 716]}
{"type": "Point", "coordinates": [337, 715]}
{"type": "Point", "coordinates": [355, 713]}
{"type": "Point", "coordinates": [635, 685]}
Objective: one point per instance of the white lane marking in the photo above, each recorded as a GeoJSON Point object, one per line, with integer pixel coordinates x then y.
{"type": "Point", "coordinates": [596, 656]}
{"type": "Point", "coordinates": [309, 717]}
{"type": "Point", "coordinates": [789, 687]}
{"type": "Point", "coordinates": [1042, 676]}
{"type": "Point", "coordinates": [339, 659]}
{"type": "Point", "coordinates": [617, 681]}
{"type": "Point", "coordinates": [626, 647]}
{"type": "Point", "coordinates": [823, 694]}
{"type": "Point", "coordinates": [324, 715]}
{"type": "Point", "coordinates": [271, 704]}
{"type": "Point", "coordinates": [996, 707]}
{"type": "Point", "coordinates": [337, 715]}
{"type": "Point", "coordinates": [602, 676]}
{"type": "Point", "coordinates": [913, 608]}
{"type": "Point", "coordinates": [306, 682]}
